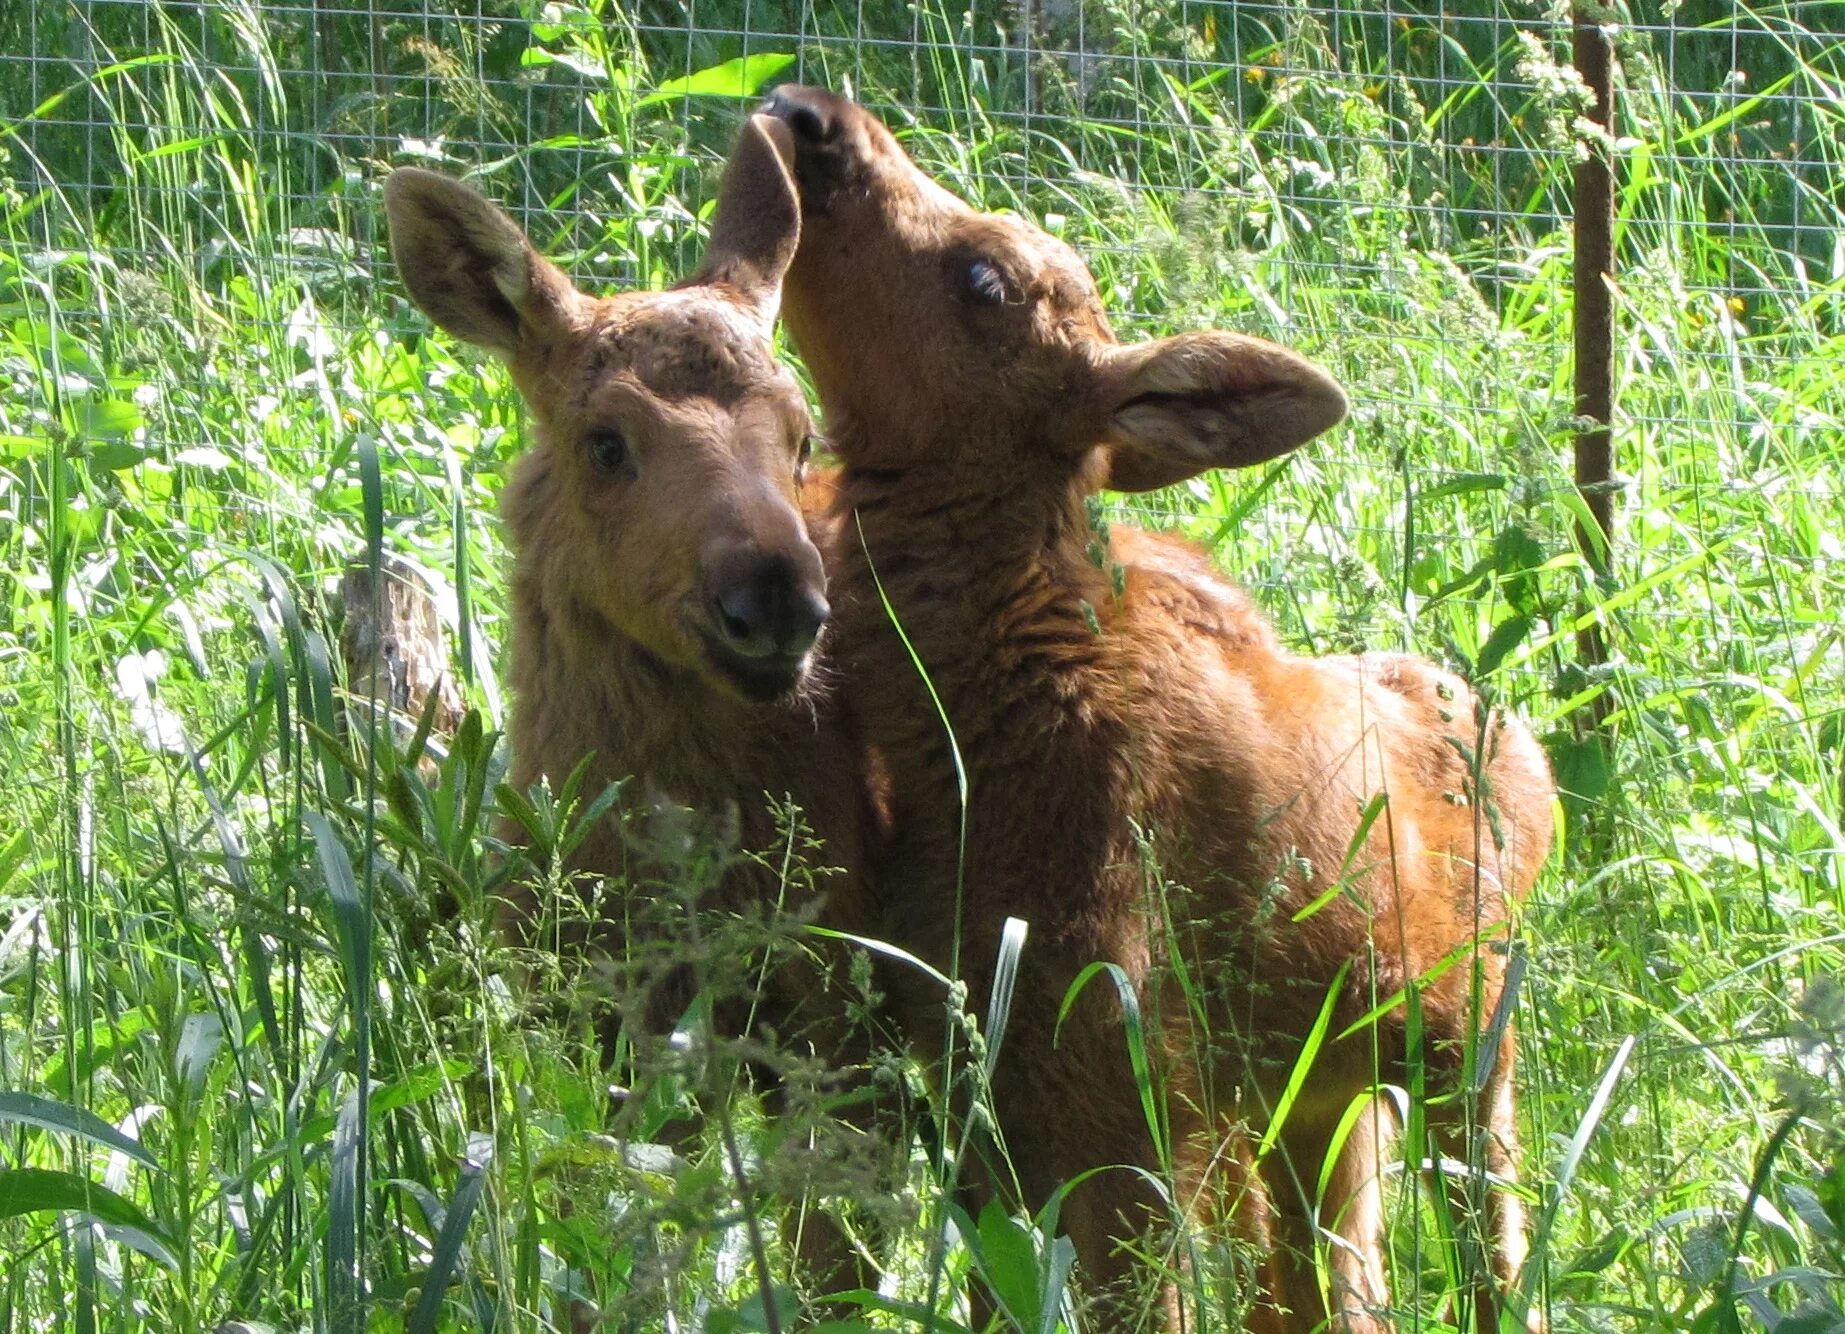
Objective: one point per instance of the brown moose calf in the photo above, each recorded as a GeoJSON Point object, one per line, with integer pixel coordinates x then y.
{"type": "Point", "coordinates": [1120, 706]}
{"type": "Point", "coordinates": [667, 598]}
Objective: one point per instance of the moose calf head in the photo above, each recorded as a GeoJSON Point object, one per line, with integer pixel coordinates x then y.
{"type": "Point", "coordinates": [662, 494]}
{"type": "Point", "coordinates": [952, 337]}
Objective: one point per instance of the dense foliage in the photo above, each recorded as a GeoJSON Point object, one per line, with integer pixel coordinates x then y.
{"type": "Point", "coordinates": [216, 898]}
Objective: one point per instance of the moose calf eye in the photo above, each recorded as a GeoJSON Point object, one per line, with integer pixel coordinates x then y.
{"type": "Point", "coordinates": [986, 283]}
{"type": "Point", "coordinates": [607, 450]}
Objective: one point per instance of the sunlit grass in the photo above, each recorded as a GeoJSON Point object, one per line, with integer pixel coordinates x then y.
{"type": "Point", "coordinates": [213, 399]}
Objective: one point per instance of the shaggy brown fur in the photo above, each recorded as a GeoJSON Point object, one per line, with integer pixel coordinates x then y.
{"type": "Point", "coordinates": [1119, 706]}
{"type": "Point", "coordinates": [665, 591]}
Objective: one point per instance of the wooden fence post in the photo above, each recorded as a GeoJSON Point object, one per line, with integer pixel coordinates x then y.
{"type": "Point", "coordinates": [1594, 322]}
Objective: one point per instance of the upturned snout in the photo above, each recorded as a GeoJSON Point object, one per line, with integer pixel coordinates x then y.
{"type": "Point", "coordinates": [841, 151]}
{"type": "Point", "coordinates": [813, 114]}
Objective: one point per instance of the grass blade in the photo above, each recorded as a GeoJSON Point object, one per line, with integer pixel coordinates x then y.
{"type": "Point", "coordinates": [1136, 1042]}
{"type": "Point", "coordinates": [30, 1109]}
{"type": "Point", "coordinates": [344, 1314]}
{"type": "Point", "coordinates": [1572, 1159]}
{"type": "Point", "coordinates": [346, 1205]}
{"type": "Point", "coordinates": [1309, 1052]}
{"type": "Point", "coordinates": [31, 1190]}
{"type": "Point", "coordinates": [449, 1243]}
{"type": "Point", "coordinates": [1005, 974]}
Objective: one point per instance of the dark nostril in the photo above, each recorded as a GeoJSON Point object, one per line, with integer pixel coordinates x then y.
{"type": "Point", "coordinates": [734, 623]}
{"type": "Point", "coordinates": [808, 120]}
{"type": "Point", "coordinates": [742, 618]}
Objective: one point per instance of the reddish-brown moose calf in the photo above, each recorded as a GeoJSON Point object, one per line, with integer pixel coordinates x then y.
{"type": "Point", "coordinates": [667, 598]}
{"type": "Point", "coordinates": [1118, 706]}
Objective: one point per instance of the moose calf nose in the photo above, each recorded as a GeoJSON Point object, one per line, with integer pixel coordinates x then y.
{"type": "Point", "coordinates": [770, 612]}
{"type": "Point", "coordinates": [805, 110]}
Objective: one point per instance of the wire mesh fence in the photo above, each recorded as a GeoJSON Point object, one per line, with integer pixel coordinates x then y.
{"type": "Point", "coordinates": [1469, 98]}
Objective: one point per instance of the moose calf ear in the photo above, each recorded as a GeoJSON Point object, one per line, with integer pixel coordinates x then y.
{"type": "Point", "coordinates": [1182, 405]}
{"type": "Point", "coordinates": [467, 264]}
{"type": "Point", "coordinates": [758, 220]}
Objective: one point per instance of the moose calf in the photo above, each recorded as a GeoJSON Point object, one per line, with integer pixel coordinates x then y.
{"type": "Point", "coordinates": [1118, 707]}
{"type": "Point", "coordinates": [667, 598]}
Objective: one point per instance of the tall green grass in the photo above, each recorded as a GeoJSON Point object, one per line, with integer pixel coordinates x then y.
{"type": "Point", "coordinates": [245, 1078]}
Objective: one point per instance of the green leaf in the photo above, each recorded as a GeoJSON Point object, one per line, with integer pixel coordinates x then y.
{"type": "Point", "coordinates": [1506, 636]}
{"type": "Point", "coordinates": [1464, 950]}
{"type": "Point", "coordinates": [346, 1193]}
{"type": "Point", "coordinates": [591, 818]}
{"type": "Point", "coordinates": [343, 1204]}
{"type": "Point", "coordinates": [1342, 882]}
{"type": "Point", "coordinates": [1246, 504]}
{"type": "Point", "coordinates": [104, 1040]}
{"type": "Point", "coordinates": [13, 854]}
{"type": "Point", "coordinates": [1582, 765]}
{"type": "Point", "coordinates": [317, 701]}
{"type": "Point", "coordinates": [1009, 1263]}
{"type": "Point", "coordinates": [32, 1110]}
{"type": "Point", "coordinates": [1815, 1321]}
{"type": "Point", "coordinates": [450, 1242]}
{"type": "Point", "coordinates": [752, 1316]}
{"type": "Point", "coordinates": [914, 1313]}
{"type": "Point", "coordinates": [145, 1242]}
{"type": "Point", "coordinates": [349, 916]}
{"type": "Point", "coordinates": [1830, 1189]}
{"type": "Point", "coordinates": [1056, 1280]}
{"type": "Point", "coordinates": [1566, 1169]}
{"type": "Point", "coordinates": [371, 491]}
{"type": "Point", "coordinates": [1600, 1256]}
{"type": "Point", "coordinates": [1807, 1207]}
{"type": "Point", "coordinates": [417, 1086]}
{"type": "Point", "coordinates": [200, 1039]}
{"type": "Point", "coordinates": [108, 417]}
{"type": "Point", "coordinates": [888, 951]}
{"type": "Point", "coordinates": [1517, 557]}
{"type": "Point", "coordinates": [734, 78]}
{"type": "Point", "coordinates": [116, 455]}
{"type": "Point", "coordinates": [33, 1190]}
